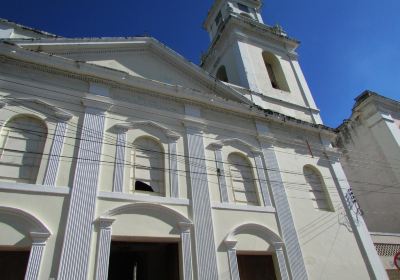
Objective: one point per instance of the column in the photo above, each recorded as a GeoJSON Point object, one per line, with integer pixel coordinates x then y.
{"type": "Point", "coordinates": [79, 226]}
{"type": "Point", "coordinates": [173, 165]}
{"type": "Point", "coordinates": [280, 256]}
{"type": "Point", "coordinates": [232, 258]}
{"type": "Point", "coordinates": [284, 215]}
{"type": "Point", "coordinates": [262, 179]}
{"type": "Point", "coordinates": [35, 256]}
{"type": "Point", "coordinates": [285, 218]}
{"type": "Point", "coordinates": [50, 176]}
{"type": "Point", "coordinates": [201, 204]}
{"type": "Point", "coordinates": [120, 159]}
{"type": "Point", "coordinates": [221, 173]}
{"type": "Point", "coordinates": [103, 248]}
{"type": "Point", "coordinates": [186, 250]}
{"type": "Point", "coordinates": [374, 265]}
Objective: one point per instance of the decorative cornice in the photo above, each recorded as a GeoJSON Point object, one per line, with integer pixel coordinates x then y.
{"type": "Point", "coordinates": [130, 125]}
{"type": "Point", "coordinates": [225, 142]}
{"type": "Point", "coordinates": [28, 102]}
{"type": "Point", "coordinates": [97, 102]}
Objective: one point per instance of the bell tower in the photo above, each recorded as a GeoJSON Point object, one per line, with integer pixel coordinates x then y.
{"type": "Point", "coordinates": [258, 60]}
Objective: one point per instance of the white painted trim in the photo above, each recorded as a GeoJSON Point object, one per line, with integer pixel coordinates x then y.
{"type": "Point", "coordinates": [247, 208]}
{"type": "Point", "coordinates": [385, 234]}
{"type": "Point", "coordinates": [144, 198]}
{"type": "Point", "coordinates": [19, 187]}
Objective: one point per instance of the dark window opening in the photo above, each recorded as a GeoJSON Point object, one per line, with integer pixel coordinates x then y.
{"type": "Point", "coordinates": [256, 267]}
{"type": "Point", "coordinates": [271, 75]}
{"type": "Point", "coordinates": [140, 186]}
{"type": "Point", "coordinates": [222, 75]}
{"type": "Point", "coordinates": [243, 8]}
{"type": "Point", "coordinates": [218, 19]}
{"type": "Point", "coordinates": [143, 261]}
{"type": "Point", "coordinates": [13, 264]}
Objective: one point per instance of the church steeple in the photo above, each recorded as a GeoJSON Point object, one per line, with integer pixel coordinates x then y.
{"type": "Point", "coordinates": [222, 9]}
{"type": "Point", "coordinates": [256, 59]}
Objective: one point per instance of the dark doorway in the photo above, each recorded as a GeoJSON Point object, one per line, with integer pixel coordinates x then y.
{"type": "Point", "coordinates": [13, 264]}
{"type": "Point", "coordinates": [143, 261]}
{"type": "Point", "coordinates": [253, 267]}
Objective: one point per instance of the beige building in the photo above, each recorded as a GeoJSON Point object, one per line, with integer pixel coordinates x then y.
{"type": "Point", "coordinates": [121, 160]}
{"type": "Point", "coordinates": [370, 139]}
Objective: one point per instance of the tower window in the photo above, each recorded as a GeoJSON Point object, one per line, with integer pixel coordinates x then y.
{"type": "Point", "coordinates": [218, 19]}
{"type": "Point", "coordinates": [275, 72]}
{"type": "Point", "coordinates": [221, 74]}
{"type": "Point", "coordinates": [243, 8]}
{"type": "Point", "coordinates": [271, 75]}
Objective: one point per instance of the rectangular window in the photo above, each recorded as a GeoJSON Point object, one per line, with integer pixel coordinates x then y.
{"type": "Point", "coordinates": [243, 8]}
{"type": "Point", "coordinates": [218, 19]}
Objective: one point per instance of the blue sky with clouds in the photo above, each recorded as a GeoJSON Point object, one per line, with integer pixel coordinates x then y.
{"type": "Point", "coordinates": [347, 45]}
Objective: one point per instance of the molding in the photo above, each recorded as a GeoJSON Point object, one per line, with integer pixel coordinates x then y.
{"type": "Point", "coordinates": [225, 142]}
{"type": "Point", "coordinates": [246, 208]}
{"type": "Point", "coordinates": [40, 228]}
{"type": "Point", "coordinates": [130, 125]}
{"type": "Point", "coordinates": [39, 238]}
{"type": "Point", "coordinates": [143, 198]}
{"type": "Point", "coordinates": [270, 236]}
{"type": "Point", "coordinates": [19, 187]}
{"type": "Point", "coordinates": [113, 78]}
{"type": "Point", "coordinates": [147, 206]}
{"type": "Point", "coordinates": [385, 234]}
{"type": "Point", "coordinates": [27, 102]}
{"type": "Point", "coordinates": [97, 102]}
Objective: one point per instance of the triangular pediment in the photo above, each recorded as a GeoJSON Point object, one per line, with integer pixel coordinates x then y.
{"type": "Point", "coordinates": [141, 57]}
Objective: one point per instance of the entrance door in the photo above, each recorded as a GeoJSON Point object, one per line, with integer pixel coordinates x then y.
{"type": "Point", "coordinates": [254, 267]}
{"type": "Point", "coordinates": [13, 264]}
{"type": "Point", "coordinates": [143, 261]}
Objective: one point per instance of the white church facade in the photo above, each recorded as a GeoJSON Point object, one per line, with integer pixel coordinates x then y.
{"type": "Point", "coordinates": [121, 160]}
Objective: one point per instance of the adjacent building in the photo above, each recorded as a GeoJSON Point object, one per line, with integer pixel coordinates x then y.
{"type": "Point", "coordinates": [370, 140]}
{"type": "Point", "coordinates": [122, 160]}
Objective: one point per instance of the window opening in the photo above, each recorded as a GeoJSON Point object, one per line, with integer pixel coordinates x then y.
{"type": "Point", "coordinates": [218, 19]}
{"type": "Point", "coordinates": [243, 8]}
{"type": "Point", "coordinates": [317, 189]}
{"type": "Point", "coordinates": [140, 186]}
{"type": "Point", "coordinates": [271, 75]}
{"type": "Point", "coordinates": [242, 180]}
{"type": "Point", "coordinates": [148, 166]}
{"type": "Point", "coordinates": [222, 75]}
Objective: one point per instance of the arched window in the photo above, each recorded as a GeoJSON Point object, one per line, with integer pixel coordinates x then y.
{"type": "Point", "coordinates": [221, 74]}
{"type": "Point", "coordinates": [148, 166]}
{"type": "Point", "coordinates": [22, 143]}
{"type": "Point", "coordinates": [318, 191]}
{"type": "Point", "coordinates": [275, 72]}
{"type": "Point", "coordinates": [242, 180]}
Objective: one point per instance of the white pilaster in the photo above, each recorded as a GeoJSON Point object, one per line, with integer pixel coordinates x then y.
{"type": "Point", "coordinates": [103, 248]}
{"type": "Point", "coordinates": [280, 256]}
{"type": "Point", "coordinates": [221, 173]}
{"type": "Point", "coordinates": [173, 166]}
{"type": "Point", "coordinates": [201, 204]}
{"type": "Point", "coordinates": [79, 227]}
{"type": "Point", "coordinates": [285, 218]}
{"type": "Point", "coordinates": [120, 160]}
{"type": "Point", "coordinates": [35, 256]}
{"type": "Point", "coordinates": [232, 258]}
{"type": "Point", "coordinates": [50, 176]}
{"type": "Point", "coordinates": [374, 265]}
{"type": "Point", "coordinates": [186, 250]}
{"type": "Point", "coordinates": [262, 179]}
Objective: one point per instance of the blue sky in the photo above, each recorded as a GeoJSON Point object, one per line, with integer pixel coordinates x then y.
{"type": "Point", "coordinates": [347, 45]}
